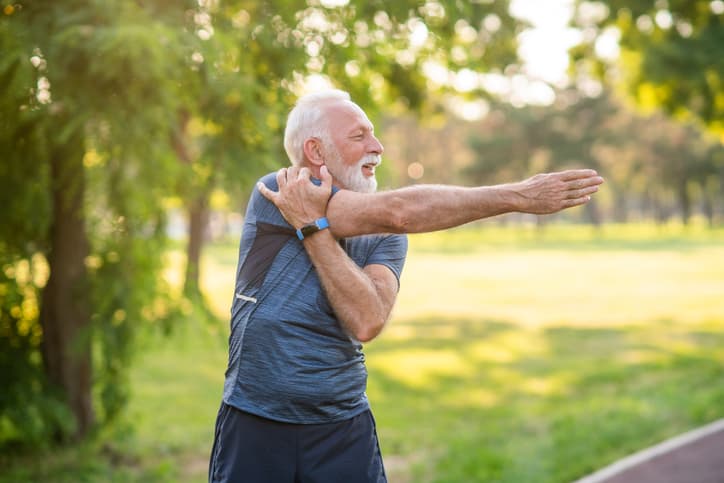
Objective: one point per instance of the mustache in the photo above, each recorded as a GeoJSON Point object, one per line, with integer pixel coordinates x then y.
{"type": "Point", "coordinates": [370, 159]}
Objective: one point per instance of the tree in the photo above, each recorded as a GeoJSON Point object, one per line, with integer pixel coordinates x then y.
{"type": "Point", "coordinates": [87, 84]}
{"type": "Point", "coordinates": [653, 165]}
{"type": "Point", "coordinates": [266, 49]}
{"type": "Point", "coordinates": [671, 54]}
{"type": "Point", "coordinates": [229, 118]}
{"type": "Point", "coordinates": [112, 107]}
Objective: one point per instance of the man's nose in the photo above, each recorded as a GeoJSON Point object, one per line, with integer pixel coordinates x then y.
{"type": "Point", "coordinates": [376, 146]}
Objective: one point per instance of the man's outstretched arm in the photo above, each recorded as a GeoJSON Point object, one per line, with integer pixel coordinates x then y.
{"type": "Point", "coordinates": [424, 208]}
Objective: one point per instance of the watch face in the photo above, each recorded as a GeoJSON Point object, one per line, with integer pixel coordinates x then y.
{"type": "Point", "coordinates": [309, 229]}
{"type": "Point", "coordinates": [312, 228]}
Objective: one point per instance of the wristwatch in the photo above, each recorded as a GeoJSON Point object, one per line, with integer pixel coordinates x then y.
{"type": "Point", "coordinates": [312, 228]}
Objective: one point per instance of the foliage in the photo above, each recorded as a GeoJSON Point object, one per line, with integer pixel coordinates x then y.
{"type": "Point", "coordinates": [672, 53]}
{"type": "Point", "coordinates": [29, 410]}
{"type": "Point", "coordinates": [83, 86]}
{"type": "Point", "coordinates": [129, 105]}
{"type": "Point", "coordinates": [120, 106]}
{"type": "Point", "coordinates": [653, 166]}
{"type": "Point", "coordinates": [252, 58]}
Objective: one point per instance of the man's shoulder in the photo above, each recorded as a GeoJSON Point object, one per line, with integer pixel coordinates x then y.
{"type": "Point", "coordinates": [378, 240]}
{"type": "Point", "coordinates": [261, 209]}
{"type": "Point", "coordinates": [270, 180]}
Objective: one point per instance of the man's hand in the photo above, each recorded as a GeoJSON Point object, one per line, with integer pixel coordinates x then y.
{"type": "Point", "coordinates": [548, 193]}
{"type": "Point", "coordinates": [299, 200]}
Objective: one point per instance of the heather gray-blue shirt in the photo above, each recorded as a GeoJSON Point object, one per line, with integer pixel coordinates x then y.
{"type": "Point", "coordinates": [289, 358]}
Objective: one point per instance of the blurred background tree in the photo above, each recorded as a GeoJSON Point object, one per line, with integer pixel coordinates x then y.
{"type": "Point", "coordinates": [668, 58]}
{"type": "Point", "coordinates": [253, 58]}
{"type": "Point", "coordinates": [111, 109]}
{"type": "Point", "coordinates": [665, 54]}
{"type": "Point", "coordinates": [115, 113]}
{"type": "Point", "coordinates": [654, 166]}
{"type": "Point", "coordinates": [89, 86]}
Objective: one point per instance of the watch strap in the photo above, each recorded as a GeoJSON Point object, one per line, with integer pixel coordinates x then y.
{"type": "Point", "coordinates": [312, 228]}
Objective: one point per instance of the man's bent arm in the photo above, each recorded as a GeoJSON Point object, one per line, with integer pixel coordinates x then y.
{"type": "Point", "coordinates": [362, 299]}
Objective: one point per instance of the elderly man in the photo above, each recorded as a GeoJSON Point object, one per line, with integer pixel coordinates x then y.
{"type": "Point", "coordinates": [319, 266]}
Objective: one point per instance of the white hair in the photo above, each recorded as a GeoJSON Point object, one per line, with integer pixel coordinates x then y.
{"type": "Point", "coordinates": [307, 120]}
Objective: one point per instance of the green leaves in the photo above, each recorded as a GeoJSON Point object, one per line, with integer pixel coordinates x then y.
{"type": "Point", "coordinates": [164, 99]}
{"type": "Point", "coordinates": [672, 56]}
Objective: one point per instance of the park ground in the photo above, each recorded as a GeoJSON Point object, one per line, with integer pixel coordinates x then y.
{"type": "Point", "coordinates": [514, 354]}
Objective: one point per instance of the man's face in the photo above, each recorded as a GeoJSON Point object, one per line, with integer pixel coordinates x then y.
{"type": "Point", "coordinates": [354, 152]}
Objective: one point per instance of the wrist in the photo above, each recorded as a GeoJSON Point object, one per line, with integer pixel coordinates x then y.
{"type": "Point", "coordinates": [310, 229]}
{"type": "Point", "coordinates": [513, 197]}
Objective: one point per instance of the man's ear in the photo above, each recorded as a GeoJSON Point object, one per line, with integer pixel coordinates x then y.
{"type": "Point", "coordinates": [313, 151]}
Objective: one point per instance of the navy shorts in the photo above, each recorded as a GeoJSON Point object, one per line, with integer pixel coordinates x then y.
{"type": "Point", "coordinates": [251, 449]}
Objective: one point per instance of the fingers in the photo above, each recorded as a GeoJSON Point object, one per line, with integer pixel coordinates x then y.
{"type": "Point", "coordinates": [581, 193]}
{"type": "Point", "coordinates": [284, 175]}
{"type": "Point", "coordinates": [578, 186]}
{"type": "Point", "coordinates": [576, 202]}
{"type": "Point", "coordinates": [574, 174]}
{"type": "Point", "coordinates": [326, 177]}
{"type": "Point", "coordinates": [580, 196]}
{"type": "Point", "coordinates": [266, 192]}
{"type": "Point", "coordinates": [290, 174]}
{"type": "Point", "coordinates": [282, 178]}
{"type": "Point", "coordinates": [585, 182]}
{"type": "Point", "coordinates": [304, 174]}
{"type": "Point", "coordinates": [293, 173]}
{"type": "Point", "coordinates": [287, 175]}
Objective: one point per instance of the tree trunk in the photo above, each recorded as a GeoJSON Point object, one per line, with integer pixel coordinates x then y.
{"type": "Point", "coordinates": [198, 220]}
{"type": "Point", "coordinates": [198, 211]}
{"type": "Point", "coordinates": [708, 194]}
{"type": "Point", "coordinates": [620, 213]}
{"type": "Point", "coordinates": [65, 314]}
{"type": "Point", "coordinates": [684, 202]}
{"type": "Point", "coordinates": [592, 213]}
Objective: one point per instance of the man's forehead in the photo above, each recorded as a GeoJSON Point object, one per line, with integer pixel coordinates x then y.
{"type": "Point", "coordinates": [348, 111]}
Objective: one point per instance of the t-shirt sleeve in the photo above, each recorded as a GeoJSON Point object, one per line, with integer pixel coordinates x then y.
{"type": "Point", "coordinates": [264, 210]}
{"type": "Point", "coordinates": [391, 252]}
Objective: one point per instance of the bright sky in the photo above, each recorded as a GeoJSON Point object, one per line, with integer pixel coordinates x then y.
{"type": "Point", "coordinates": [544, 51]}
{"type": "Point", "coordinates": [544, 48]}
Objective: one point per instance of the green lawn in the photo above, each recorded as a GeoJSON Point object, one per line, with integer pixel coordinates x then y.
{"type": "Point", "coordinates": [513, 355]}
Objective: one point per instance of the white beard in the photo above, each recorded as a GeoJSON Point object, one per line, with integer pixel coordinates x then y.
{"type": "Point", "coordinates": [351, 177]}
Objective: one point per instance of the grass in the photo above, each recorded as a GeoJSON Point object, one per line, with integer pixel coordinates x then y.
{"type": "Point", "coordinates": [479, 400]}
{"type": "Point", "coordinates": [513, 355]}
{"type": "Point", "coordinates": [544, 355]}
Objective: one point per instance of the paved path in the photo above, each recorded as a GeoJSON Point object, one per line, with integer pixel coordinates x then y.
{"type": "Point", "coordinates": [693, 457]}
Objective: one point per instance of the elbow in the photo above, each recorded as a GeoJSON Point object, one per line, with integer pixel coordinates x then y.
{"type": "Point", "coordinates": [401, 223]}
{"type": "Point", "coordinates": [368, 332]}
{"type": "Point", "coordinates": [366, 336]}
{"type": "Point", "coordinates": [400, 216]}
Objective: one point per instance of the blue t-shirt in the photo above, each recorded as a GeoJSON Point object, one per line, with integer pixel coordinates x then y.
{"type": "Point", "coordinates": [290, 359]}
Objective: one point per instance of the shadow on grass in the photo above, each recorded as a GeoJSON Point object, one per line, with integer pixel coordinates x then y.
{"type": "Point", "coordinates": [476, 400]}
{"type": "Point", "coordinates": [164, 434]}
{"type": "Point", "coordinates": [456, 400]}
{"type": "Point", "coordinates": [639, 237]}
